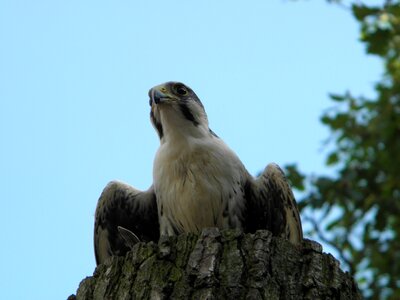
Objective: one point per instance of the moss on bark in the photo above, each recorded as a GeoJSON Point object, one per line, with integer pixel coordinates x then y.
{"type": "Point", "coordinates": [220, 265]}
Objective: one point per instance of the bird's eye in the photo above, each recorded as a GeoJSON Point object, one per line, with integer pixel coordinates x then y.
{"type": "Point", "coordinates": [181, 90]}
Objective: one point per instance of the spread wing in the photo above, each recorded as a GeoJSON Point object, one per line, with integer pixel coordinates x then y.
{"type": "Point", "coordinates": [122, 210]}
{"type": "Point", "coordinates": [271, 205]}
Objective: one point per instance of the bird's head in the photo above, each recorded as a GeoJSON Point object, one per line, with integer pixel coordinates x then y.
{"type": "Point", "coordinates": [176, 109]}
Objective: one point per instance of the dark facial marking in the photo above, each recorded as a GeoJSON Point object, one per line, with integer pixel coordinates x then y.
{"type": "Point", "coordinates": [157, 125]}
{"type": "Point", "coordinates": [187, 113]}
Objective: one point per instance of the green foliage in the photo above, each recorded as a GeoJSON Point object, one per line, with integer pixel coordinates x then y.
{"type": "Point", "coordinates": [366, 191]}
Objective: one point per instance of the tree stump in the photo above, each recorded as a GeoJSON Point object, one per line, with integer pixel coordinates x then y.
{"type": "Point", "coordinates": [220, 265]}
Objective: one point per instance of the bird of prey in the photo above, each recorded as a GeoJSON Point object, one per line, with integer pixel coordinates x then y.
{"type": "Point", "coordinates": [198, 182]}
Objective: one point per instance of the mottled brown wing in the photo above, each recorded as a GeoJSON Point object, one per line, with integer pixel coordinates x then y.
{"type": "Point", "coordinates": [121, 205]}
{"type": "Point", "coordinates": [271, 205]}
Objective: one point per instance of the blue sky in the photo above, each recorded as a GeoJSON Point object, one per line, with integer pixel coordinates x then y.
{"type": "Point", "coordinates": [74, 114]}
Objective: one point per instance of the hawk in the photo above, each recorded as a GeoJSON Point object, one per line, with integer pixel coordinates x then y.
{"type": "Point", "coordinates": [198, 182]}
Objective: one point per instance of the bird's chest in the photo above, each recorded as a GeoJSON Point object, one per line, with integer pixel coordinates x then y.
{"type": "Point", "coordinates": [192, 187]}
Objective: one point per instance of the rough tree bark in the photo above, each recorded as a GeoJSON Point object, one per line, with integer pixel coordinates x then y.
{"type": "Point", "coordinates": [220, 265]}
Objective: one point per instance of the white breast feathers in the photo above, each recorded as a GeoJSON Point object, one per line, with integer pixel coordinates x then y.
{"type": "Point", "coordinates": [198, 184]}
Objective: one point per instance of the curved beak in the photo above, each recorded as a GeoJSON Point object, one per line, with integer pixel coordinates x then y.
{"type": "Point", "coordinates": [157, 95]}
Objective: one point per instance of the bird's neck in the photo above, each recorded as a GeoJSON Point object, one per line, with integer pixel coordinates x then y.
{"type": "Point", "coordinates": [179, 130]}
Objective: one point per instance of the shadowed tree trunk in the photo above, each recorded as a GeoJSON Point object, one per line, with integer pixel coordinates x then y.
{"type": "Point", "coordinates": [220, 265]}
